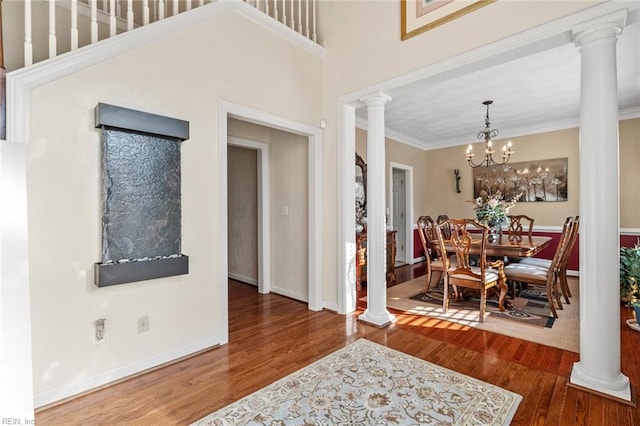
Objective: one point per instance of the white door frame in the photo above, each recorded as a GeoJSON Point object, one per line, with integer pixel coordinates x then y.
{"type": "Point", "coordinates": [314, 136]}
{"type": "Point", "coordinates": [264, 208]}
{"type": "Point", "coordinates": [408, 206]}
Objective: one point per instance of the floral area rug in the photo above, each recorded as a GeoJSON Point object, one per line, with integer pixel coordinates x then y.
{"type": "Point", "coordinates": [533, 311]}
{"type": "Point", "coordinates": [369, 384]}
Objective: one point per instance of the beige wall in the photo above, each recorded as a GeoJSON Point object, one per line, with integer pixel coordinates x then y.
{"type": "Point", "coordinates": [443, 199]}
{"type": "Point", "coordinates": [630, 173]}
{"type": "Point", "coordinates": [184, 76]}
{"type": "Point", "coordinates": [407, 155]}
{"type": "Point", "coordinates": [242, 199]}
{"type": "Point", "coordinates": [434, 181]}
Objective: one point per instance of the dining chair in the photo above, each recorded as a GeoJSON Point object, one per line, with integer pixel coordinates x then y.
{"type": "Point", "coordinates": [464, 233]}
{"type": "Point", "coordinates": [548, 277]}
{"type": "Point", "coordinates": [445, 231]}
{"type": "Point", "coordinates": [433, 258]}
{"type": "Point", "coordinates": [546, 263]}
{"type": "Point", "coordinates": [519, 226]}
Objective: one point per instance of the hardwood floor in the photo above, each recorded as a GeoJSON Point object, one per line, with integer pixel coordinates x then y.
{"type": "Point", "coordinates": [271, 336]}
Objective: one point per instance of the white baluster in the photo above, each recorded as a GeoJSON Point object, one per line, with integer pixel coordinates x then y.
{"type": "Point", "coordinates": [188, 5]}
{"type": "Point", "coordinates": [118, 9]}
{"type": "Point", "coordinates": [105, 5]}
{"type": "Point", "coordinates": [129, 15]}
{"type": "Point", "coordinates": [300, 16]}
{"type": "Point", "coordinates": [201, 2]}
{"type": "Point", "coordinates": [175, 7]}
{"type": "Point", "coordinates": [306, 10]}
{"type": "Point", "coordinates": [52, 29]}
{"type": "Point", "coordinates": [94, 21]}
{"type": "Point", "coordinates": [313, 37]}
{"type": "Point", "coordinates": [275, 10]}
{"type": "Point", "coordinates": [160, 9]}
{"type": "Point", "coordinates": [112, 18]}
{"type": "Point", "coordinates": [28, 46]}
{"type": "Point", "coordinates": [266, 7]}
{"type": "Point", "coordinates": [74, 24]}
{"type": "Point", "coordinates": [145, 12]}
{"type": "Point", "coordinates": [292, 23]}
{"type": "Point", "coordinates": [284, 12]}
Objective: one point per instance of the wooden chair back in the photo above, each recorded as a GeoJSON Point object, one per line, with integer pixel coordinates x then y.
{"type": "Point", "coordinates": [425, 231]}
{"type": "Point", "coordinates": [520, 226]}
{"type": "Point", "coordinates": [446, 231]}
{"type": "Point", "coordinates": [466, 233]}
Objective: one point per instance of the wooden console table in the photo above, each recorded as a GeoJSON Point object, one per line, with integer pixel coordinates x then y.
{"type": "Point", "coordinates": [361, 258]}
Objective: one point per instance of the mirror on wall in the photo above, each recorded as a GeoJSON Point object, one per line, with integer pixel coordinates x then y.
{"type": "Point", "coordinates": [361, 194]}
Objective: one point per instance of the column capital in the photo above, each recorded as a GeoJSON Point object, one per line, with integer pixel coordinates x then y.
{"type": "Point", "coordinates": [607, 26]}
{"type": "Point", "coordinates": [375, 99]}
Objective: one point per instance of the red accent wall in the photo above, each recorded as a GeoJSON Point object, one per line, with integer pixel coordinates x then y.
{"type": "Point", "coordinates": [574, 262]}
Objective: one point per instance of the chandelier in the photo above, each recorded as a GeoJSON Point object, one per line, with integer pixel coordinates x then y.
{"type": "Point", "coordinates": [487, 134]}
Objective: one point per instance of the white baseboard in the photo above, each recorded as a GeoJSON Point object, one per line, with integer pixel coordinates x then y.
{"type": "Point", "coordinates": [418, 259]}
{"type": "Point", "coordinates": [243, 279]}
{"type": "Point", "coordinates": [290, 294]}
{"type": "Point", "coordinates": [572, 273]}
{"type": "Point", "coordinates": [331, 306]}
{"type": "Point", "coordinates": [92, 382]}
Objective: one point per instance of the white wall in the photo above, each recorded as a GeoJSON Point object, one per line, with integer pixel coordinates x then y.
{"type": "Point", "coordinates": [182, 76]}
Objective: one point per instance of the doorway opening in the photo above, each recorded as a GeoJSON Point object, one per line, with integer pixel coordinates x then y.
{"type": "Point", "coordinates": [401, 211]}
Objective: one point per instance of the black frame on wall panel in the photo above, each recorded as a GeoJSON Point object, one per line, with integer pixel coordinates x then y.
{"type": "Point", "coordinates": [141, 222]}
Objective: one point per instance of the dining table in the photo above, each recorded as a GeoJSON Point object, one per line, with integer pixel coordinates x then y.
{"type": "Point", "coordinates": [505, 247]}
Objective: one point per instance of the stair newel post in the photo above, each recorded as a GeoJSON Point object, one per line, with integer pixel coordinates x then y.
{"type": "Point", "coordinates": [3, 90]}
{"type": "Point", "coordinates": [112, 18]}
{"type": "Point", "coordinates": [129, 15]}
{"type": "Point", "coordinates": [52, 29]}
{"type": "Point", "coordinates": [74, 24]}
{"type": "Point", "coordinates": [94, 21]}
{"type": "Point", "coordinates": [145, 12]}
{"type": "Point", "coordinates": [28, 46]}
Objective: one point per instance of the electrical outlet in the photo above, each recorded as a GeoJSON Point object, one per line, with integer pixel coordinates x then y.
{"type": "Point", "coordinates": [143, 324]}
{"type": "Point", "coordinates": [99, 334]}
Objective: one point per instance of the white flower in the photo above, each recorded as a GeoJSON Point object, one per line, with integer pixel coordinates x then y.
{"type": "Point", "coordinates": [493, 203]}
{"type": "Point", "coordinates": [479, 201]}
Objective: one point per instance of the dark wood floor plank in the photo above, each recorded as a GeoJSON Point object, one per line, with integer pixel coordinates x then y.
{"type": "Point", "coordinates": [271, 336]}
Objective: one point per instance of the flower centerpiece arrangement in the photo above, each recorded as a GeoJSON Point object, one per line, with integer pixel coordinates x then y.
{"type": "Point", "coordinates": [492, 209]}
{"type": "Point", "coordinates": [630, 276]}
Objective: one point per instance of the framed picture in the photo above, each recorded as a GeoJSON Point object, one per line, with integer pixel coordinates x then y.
{"type": "Point", "coordinates": [418, 16]}
{"type": "Point", "coordinates": [539, 180]}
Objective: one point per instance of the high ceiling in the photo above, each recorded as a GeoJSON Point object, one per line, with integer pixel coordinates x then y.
{"type": "Point", "coordinates": [533, 94]}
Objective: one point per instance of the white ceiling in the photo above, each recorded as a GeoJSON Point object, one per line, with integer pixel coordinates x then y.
{"type": "Point", "coordinates": [533, 94]}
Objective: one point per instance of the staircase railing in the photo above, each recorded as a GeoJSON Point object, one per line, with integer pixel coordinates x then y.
{"type": "Point", "coordinates": [125, 15]}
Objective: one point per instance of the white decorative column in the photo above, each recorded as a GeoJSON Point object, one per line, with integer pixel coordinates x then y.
{"type": "Point", "coordinates": [599, 366]}
{"type": "Point", "coordinates": [376, 312]}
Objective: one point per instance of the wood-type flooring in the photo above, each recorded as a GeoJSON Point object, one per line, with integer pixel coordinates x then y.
{"type": "Point", "coordinates": [271, 336]}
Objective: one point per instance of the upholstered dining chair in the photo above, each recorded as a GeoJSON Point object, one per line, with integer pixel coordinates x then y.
{"type": "Point", "coordinates": [520, 226]}
{"type": "Point", "coordinates": [548, 277]}
{"type": "Point", "coordinates": [434, 261]}
{"type": "Point", "coordinates": [546, 263]}
{"type": "Point", "coordinates": [464, 233]}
